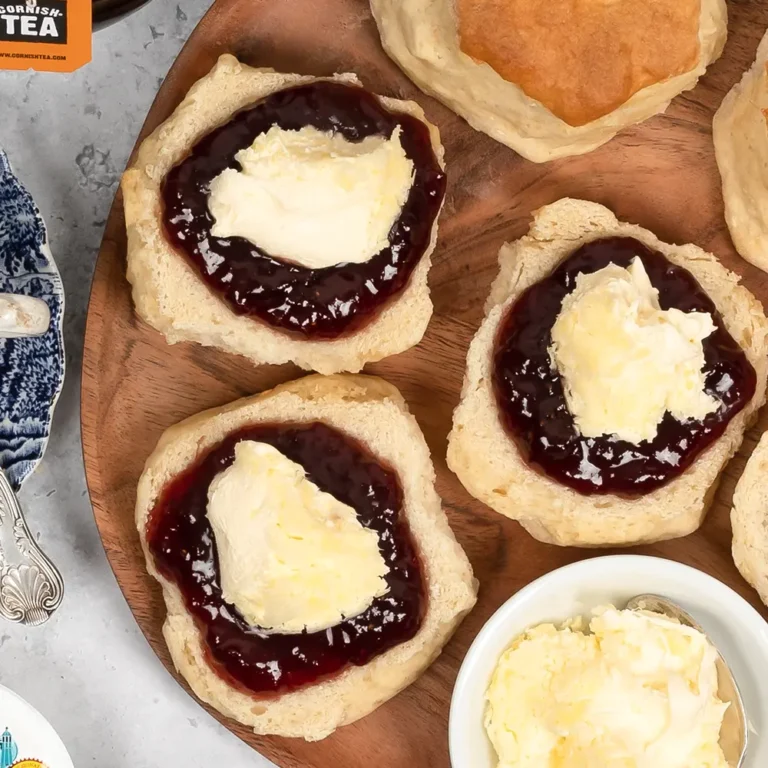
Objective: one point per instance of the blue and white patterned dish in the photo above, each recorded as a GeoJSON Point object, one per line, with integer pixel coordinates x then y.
{"type": "Point", "coordinates": [31, 368]}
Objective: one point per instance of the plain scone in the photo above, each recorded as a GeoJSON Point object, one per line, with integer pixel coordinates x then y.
{"type": "Point", "coordinates": [374, 412]}
{"type": "Point", "coordinates": [749, 520]}
{"type": "Point", "coordinates": [422, 36]}
{"type": "Point", "coordinates": [488, 463]}
{"type": "Point", "coordinates": [740, 133]}
{"type": "Point", "coordinates": [166, 290]}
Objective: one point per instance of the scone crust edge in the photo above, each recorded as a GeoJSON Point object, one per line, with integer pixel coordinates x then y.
{"type": "Point", "coordinates": [167, 292]}
{"type": "Point", "coordinates": [374, 412]}
{"type": "Point", "coordinates": [421, 37]}
{"type": "Point", "coordinates": [489, 465]}
{"type": "Point", "coordinates": [749, 520]}
{"type": "Point", "coordinates": [738, 153]}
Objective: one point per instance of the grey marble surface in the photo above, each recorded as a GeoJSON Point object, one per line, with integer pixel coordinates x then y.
{"type": "Point", "coordinates": [89, 670]}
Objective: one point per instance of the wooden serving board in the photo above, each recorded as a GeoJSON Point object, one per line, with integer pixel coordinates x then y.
{"type": "Point", "coordinates": [661, 175]}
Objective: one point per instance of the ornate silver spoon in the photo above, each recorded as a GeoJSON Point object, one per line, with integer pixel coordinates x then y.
{"type": "Point", "coordinates": [733, 732]}
{"type": "Point", "coordinates": [31, 587]}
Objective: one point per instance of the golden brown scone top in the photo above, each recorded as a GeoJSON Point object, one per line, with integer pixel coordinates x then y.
{"type": "Point", "coordinates": [582, 58]}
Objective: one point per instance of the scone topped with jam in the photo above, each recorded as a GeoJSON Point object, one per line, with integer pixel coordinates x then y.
{"type": "Point", "coordinates": [611, 380]}
{"type": "Point", "coordinates": [307, 567]}
{"type": "Point", "coordinates": [286, 218]}
{"type": "Point", "coordinates": [618, 395]}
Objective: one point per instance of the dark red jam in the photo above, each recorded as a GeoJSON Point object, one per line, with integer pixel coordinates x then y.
{"type": "Point", "coordinates": [182, 544]}
{"type": "Point", "coordinates": [315, 303]}
{"type": "Point", "coordinates": [530, 398]}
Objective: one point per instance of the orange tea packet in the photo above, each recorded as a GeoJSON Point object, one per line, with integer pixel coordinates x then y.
{"type": "Point", "coordinates": [46, 35]}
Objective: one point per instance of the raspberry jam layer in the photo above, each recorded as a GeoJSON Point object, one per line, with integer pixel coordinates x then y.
{"type": "Point", "coordinates": [314, 303]}
{"type": "Point", "coordinates": [529, 392]}
{"type": "Point", "coordinates": [182, 544]}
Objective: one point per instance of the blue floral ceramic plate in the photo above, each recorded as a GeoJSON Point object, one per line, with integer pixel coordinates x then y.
{"type": "Point", "coordinates": [32, 368]}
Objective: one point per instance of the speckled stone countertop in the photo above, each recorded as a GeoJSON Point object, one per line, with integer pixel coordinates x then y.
{"type": "Point", "coordinates": [89, 670]}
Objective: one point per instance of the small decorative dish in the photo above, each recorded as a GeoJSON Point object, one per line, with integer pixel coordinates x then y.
{"type": "Point", "coordinates": [31, 367]}
{"type": "Point", "coordinates": [27, 739]}
{"type": "Point", "coordinates": [735, 628]}
{"type": "Point", "coordinates": [31, 378]}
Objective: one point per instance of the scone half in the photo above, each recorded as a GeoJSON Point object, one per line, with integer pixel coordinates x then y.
{"type": "Point", "coordinates": [170, 295]}
{"type": "Point", "coordinates": [749, 520]}
{"type": "Point", "coordinates": [372, 412]}
{"type": "Point", "coordinates": [577, 50]}
{"type": "Point", "coordinates": [490, 465]}
{"type": "Point", "coordinates": [740, 133]}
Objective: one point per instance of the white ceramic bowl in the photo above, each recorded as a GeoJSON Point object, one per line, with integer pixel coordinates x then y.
{"type": "Point", "coordinates": [737, 629]}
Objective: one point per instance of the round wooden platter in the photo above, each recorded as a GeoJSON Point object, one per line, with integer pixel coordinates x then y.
{"type": "Point", "coordinates": [661, 175]}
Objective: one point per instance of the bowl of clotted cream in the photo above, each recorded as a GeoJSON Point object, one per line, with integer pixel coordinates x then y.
{"type": "Point", "coordinates": [563, 675]}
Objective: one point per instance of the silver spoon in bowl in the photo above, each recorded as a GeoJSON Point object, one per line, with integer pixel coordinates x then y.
{"type": "Point", "coordinates": [733, 732]}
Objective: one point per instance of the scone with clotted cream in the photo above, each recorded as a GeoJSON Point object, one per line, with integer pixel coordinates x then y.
{"type": "Point", "coordinates": [553, 78]}
{"type": "Point", "coordinates": [307, 566]}
{"type": "Point", "coordinates": [612, 378]}
{"type": "Point", "coordinates": [286, 218]}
